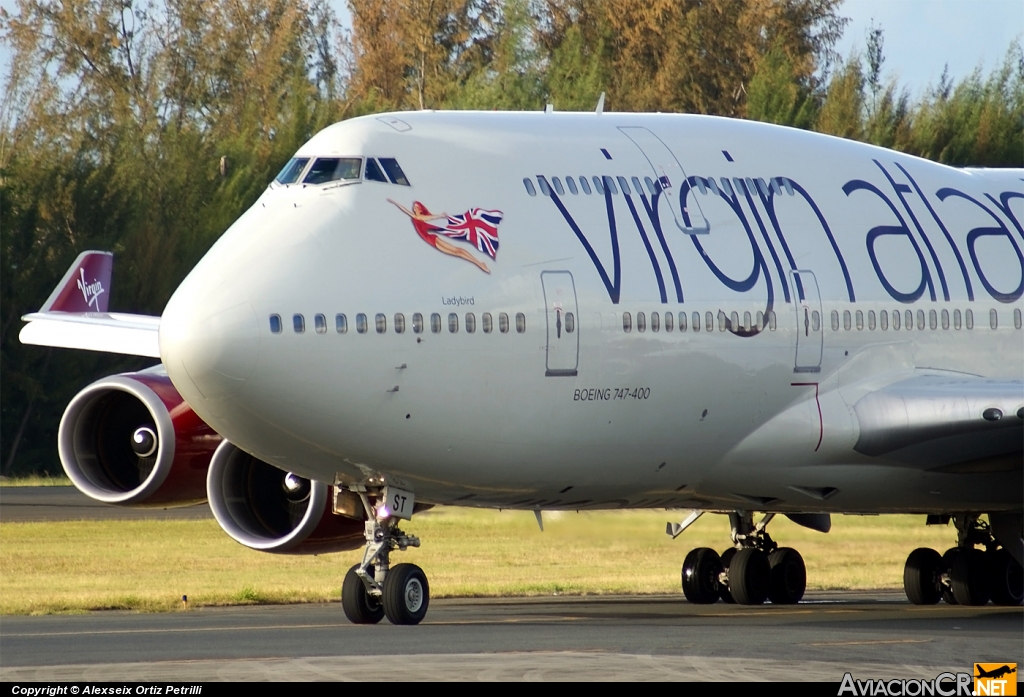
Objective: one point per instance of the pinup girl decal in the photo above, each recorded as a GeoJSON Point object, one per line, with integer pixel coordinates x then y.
{"type": "Point", "coordinates": [477, 226]}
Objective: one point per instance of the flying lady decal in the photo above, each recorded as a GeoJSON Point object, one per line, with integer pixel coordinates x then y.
{"type": "Point", "coordinates": [477, 226]}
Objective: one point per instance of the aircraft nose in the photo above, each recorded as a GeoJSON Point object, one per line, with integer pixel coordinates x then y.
{"type": "Point", "coordinates": [209, 340]}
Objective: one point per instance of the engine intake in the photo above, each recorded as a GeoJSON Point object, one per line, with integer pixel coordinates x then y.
{"type": "Point", "coordinates": [270, 510]}
{"type": "Point", "coordinates": [132, 440]}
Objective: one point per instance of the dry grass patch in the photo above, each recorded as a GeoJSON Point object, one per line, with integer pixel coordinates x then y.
{"type": "Point", "coordinates": [148, 565]}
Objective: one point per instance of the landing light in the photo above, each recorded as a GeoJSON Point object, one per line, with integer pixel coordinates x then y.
{"type": "Point", "coordinates": [383, 512]}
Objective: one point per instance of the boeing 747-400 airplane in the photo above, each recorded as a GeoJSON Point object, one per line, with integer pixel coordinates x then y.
{"type": "Point", "coordinates": [581, 311]}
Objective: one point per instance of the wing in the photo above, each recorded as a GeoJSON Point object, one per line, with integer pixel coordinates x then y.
{"type": "Point", "coordinates": [949, 424]}
{"type": "Point", "coordinates": [75, 315]}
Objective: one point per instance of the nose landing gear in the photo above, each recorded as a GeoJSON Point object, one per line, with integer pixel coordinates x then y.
{"type": "Point", "coordinates": [965, 574]}
{"type": "Point", "coordinates": [372, 589]}
{"type": "Point", "coordinates": [755, 569]}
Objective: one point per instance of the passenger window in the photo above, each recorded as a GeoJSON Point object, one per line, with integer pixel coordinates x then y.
{"type": "Point", "coordinates": [776, 189]}
{"type": "Point", "coordinates": [746, 321]}
{"type": "Point", "coordinates": [655, 322]}
{"type": "Point", "coordinates": [609, 184]}
{"type": "Point", "coordinates": [598, 186]}
{"type": "Point", "coordinates": [329, 169]}
{"type": "Point", "coordinates": [895, 320]}
{"type": "Point", "coordinates": [381, 323]}
{"type": "Point", "coordinates": [558, 189]}
{"type": "Point", "coordinates": [695, 326]}
{"type": "Point", "coordinates": [637, 186]}
{"type": "Point", "coordinates": [1016, 319]}
{"type": "Point", "coordinates": [544, 188]}
{"type": "Point", "coordinates": [957, 322]}
{"type": "Point", "coordinates": [726, 186]}
{"type": "Point", "coordinates": [713, 185]}
{"type": "Point", "coordinates": [762, 187]}
{"type": "Point", "coordinates": [435, 323]}
{"type": "Point", "coordinates": [569, 182]}
{"type": "Point", "coordinates": [487, 323]}
{"type": "Point", "coordinates": [771, 320]}
{"type": "Point", "coordinates": [668, 315]}
{"type": "Point", "coordinates": [969, 319]}
{"type": "Point", "coordinates": [722, 320]}
{"type": "Point", "coordinates": [623, 185]}
{"type": "Point", "coordinates": [585, 185]}
{"type": "Point", "coordinates": [702, 186]}
{"type": "Point", "coordinates": [650, 186]}
{"type": "Point", "coordinates": [871, 320]}
{"type": "Point", "coordinates": [292, 170]}
{"type": "Point", "coordinates": [993, 319]}
{"type": "Point", "coordinates": [627, 322]}
{"type": "Point", "coordinates": [320, 323]}
{"type": "Point", "coordinates": [275, 324]}
{"type": "Point", "coordinates": [361, 323]}
{"type": "Point", "coordinates": [847, 320]}
{"type": "Point", "coordinates": [399, 323]}
{"type": "Point", "coordinates": [815, 321]}
{"type": "Point", "coordinates": [883, 320]}
{"type": "Point", "coordinates": [417, 323]}
{"type": "Point", "coordinates": [760, 320]}
{"type": "Point", "coordinates": [945, 319]}
{"type": "Point", "coordinates": [298, 323]}
{"type": "Point", "coordinates": [570, 323]}
{"type": "Point", "coordinates": [470, 322]}
{"type": "Point", "coordinates": [682, 321]}
{"type": "Point", "coordinates": [835, 320]}
{"type": "Point", "coordinates": [788, 185]}
{"type": "Point", "coordinates": [908, 317]}
{"type": "Point", "coordinates": [920, 320]}
{"type": "Point", "coordinates": [641, 322]}
{"type": "Point", "coordinates": [373, 171]}
{"type": "Point", "coordinates": [734, 321]}
{"type": "Point", "coordinates": [860, 320]}
{"type": "Point", "coordinates": [453, 323]}
{"type": "Point", "coordinates": [503, 323]}
{"type": "Point", "coordinates": [709, 321]}
{"type": "Point", "coordinates": [394, 172]}
{"type": "Point", "coordinates": [520, 322]}
{"type": "Point", "coordinates": [529, 187]}
{"type": "Point", "coordinates": [341, 324]}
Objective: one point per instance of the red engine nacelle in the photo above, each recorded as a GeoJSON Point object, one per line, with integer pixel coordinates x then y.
{"type": "Point", "coordinates": [270, 510]}
{"type": "Point", "coordinates": [132, 440]}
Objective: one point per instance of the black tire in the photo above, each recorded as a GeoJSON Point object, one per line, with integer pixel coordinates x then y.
{"type": "Point", "coordinates": [360, 607]}
{"type": "Point", "coordinates": [972, 582]}
{"type": "Point", "coordinates": [406, 594]}
{"type": "Point", "coordinates": [921, 576]}
{"type": "Point", "coordinates": [750, 576]}
{"type": "Point", "coordinates": [701, 570]}
{"type": "Point", "coordinates": [723, 590]}
{"type": "Point", "coordinates": [788, 576]}
{"type": "Point", "coordinates": [1007, 579]}
{"type": "Point", "coordinates": [946, 567]}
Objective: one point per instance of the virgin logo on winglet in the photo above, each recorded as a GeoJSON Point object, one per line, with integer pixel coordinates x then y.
{"type": "Point", "coordinates": [90, 291]}
{"type": "Point", "coordinates": [85, 286]}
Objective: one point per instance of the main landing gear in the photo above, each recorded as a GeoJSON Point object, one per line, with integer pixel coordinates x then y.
{"type": "Point", "coordinates": [755, 569]}
{"type": "Point", "coordinates": [373, 589]}
{"type": "Point", "coordinates": [965, 574]}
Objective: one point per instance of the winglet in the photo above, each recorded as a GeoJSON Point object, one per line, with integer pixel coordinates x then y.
{"type": "Point", "coordinates": [85, 287]}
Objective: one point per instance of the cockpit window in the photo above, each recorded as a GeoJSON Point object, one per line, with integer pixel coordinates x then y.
{"type": "Point", "coordinates": [292, 170]}
{"type": "Point", "coordinates": [395, 173]}
{"type": "Point", "coordinates": [373, 171]}
{"type": "Point", "coordinates": [329, 169]}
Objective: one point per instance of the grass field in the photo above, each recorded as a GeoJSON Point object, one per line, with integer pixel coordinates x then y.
{"type": "Point", "coordinates": [35, 480]}
{"type": "Point", "coordinates": [149, 565]}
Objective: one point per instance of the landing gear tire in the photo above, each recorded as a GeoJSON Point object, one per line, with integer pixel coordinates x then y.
{"type": "Point", "coordinates": [1007, 579]}
{"type": "Point", "coordinates": [723, 590]}
{"type": "Point", "coordinates": [970, 577]}
{"type": "Point", "coordinates": [946, 587]}
{"type": "Point", "coordinates": [406, 594]}
{"type": "Point", "coordinates": [360, 607]}
{"type": "Point", "coordinates": [788, 576]}
{"type": "Point", "coordinates": [921, 576]}
{"type": "Point", "coordinates": [701, 570]}
{"type": "Point", "coordinates": [750, 576]}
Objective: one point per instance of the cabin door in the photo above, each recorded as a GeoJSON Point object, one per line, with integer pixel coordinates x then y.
{"type": "Point", "coordinates": [563, 331]}
{"type": "Point", "coordinates": [809, 329]}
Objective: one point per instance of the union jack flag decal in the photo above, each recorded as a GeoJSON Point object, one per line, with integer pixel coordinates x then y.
{"type": "Point", "coordinates": [478, 226]}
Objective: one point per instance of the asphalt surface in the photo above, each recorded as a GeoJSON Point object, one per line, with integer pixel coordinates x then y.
{"type": "Point", "coordinates": [870, 634]}
{"type": "Point", "coordinates": [874, 634]}
{"type": "Point", "coordinates": [38, 503]}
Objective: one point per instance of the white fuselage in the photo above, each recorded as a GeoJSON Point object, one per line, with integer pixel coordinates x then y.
{"type": "Point", "coordinates": [580, 413]}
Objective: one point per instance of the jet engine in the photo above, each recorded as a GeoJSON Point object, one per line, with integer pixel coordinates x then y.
{"type": "Point", "coordinates": [270, 510]}
{"type": "Point", "coordinates": [131, 440]}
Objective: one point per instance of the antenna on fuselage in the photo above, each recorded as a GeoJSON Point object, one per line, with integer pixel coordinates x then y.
{"type": "Point", "coordinates": [600, 105]}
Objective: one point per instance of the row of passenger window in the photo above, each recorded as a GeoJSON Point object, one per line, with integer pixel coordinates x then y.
{"type": "Point", "coordinates": [671, 321]}
{"type": "Point", "coordinates": [380, 322]}
{"type": "Point", "coordinates": [776, 185]}
{"type": "Point", "coordinates": [934, 320]}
